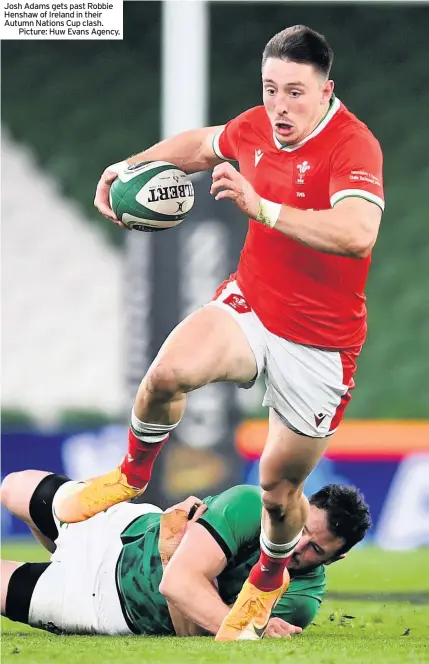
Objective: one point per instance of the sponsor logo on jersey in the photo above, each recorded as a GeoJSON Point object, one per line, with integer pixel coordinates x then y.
{"type": "Point", "coordinates": [258, 156]}
{"type": "Point", "coordinates": [364, 176]}
{"type": "Point", "coordinates": [238, 303]}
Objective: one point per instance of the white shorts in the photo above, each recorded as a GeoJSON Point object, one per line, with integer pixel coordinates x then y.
{"type": "Point", "coordinates": [307, 387]}
{"type": "Point", "coordinates": [77, 593]}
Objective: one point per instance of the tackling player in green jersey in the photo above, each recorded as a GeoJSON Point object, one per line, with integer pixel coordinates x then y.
{"type": "Point", "coordinates": [106, 574]}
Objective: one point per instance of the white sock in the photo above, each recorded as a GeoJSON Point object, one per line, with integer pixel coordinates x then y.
{"type": "Point", "coordinates": [278, 550]}
{"type": "Point", "coordinates": [150, 433]}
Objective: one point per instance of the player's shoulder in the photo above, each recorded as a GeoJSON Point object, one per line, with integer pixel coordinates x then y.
{"type": "Point", "coordinates": [243, 492]}
{"type": "Point", "coordinates": [348, 127]}
{"type": "Point", "coordinates": [245, 495]}
{"type": "Point", "coordinates": [248, 491]}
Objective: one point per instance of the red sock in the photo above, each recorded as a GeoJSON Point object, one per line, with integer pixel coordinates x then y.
{"type": "Point", "coordinates": [138, 463]}
{"type": "Point", "coordinates": [267, 574]}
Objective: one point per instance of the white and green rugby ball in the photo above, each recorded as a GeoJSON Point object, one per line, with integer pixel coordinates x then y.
{"type": "Point", "coordinates": [151, 196]}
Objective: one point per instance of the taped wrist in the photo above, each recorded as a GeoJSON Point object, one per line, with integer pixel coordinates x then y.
{"type": "Point", "coordinates": [268, 212]}
{"type": "Point", "coordinates": [171, 531]}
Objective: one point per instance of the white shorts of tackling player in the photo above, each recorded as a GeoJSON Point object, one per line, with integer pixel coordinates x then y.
{"type": "Point", "coordinates": [304, 385]}
{"type": "Point", "coordinates": [77, 593]}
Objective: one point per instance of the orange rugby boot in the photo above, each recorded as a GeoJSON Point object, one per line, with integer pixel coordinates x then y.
{"type": "Point", "coordinates": [79, 501]}
{"type": "Point", "coordinates": [248, 618]}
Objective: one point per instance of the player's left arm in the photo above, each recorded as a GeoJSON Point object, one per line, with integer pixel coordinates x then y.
{"type": "Point", "coordinates": [349, 228]}
{"type": "Point", "coordinates": [173, 524]}
{"type": "Point", "coordinates": [189, 583]}
{"type": "Point", "coordinates": [188, 580]}
{"type": "Point", "coordinates": [230, 523]}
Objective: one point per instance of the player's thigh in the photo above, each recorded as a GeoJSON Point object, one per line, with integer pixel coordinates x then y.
{"type": "Point", "coordinates": [29, 495]}
{"type": "Point", "coordinates": [8, 568]}
{"type": "Point", "coordinates": [17, 490]}
{"type": "Point", "coordinates": [55, 596]}
{"type": "Point", "coordinates": [85, 565]}
{"type": "Point", "coordinates": [208, 346]}
{"type": "Point", "coordinates": [288, 456]}
{"type": "Point", "coordinates": [309, 388]}
{"type": "Point", "coordinates": [19, 581]}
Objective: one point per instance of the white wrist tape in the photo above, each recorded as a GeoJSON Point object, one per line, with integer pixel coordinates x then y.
{"type": "Point", "coordinates": [268, 212]}
{"type": "Point", "coordinates": [119, 166]}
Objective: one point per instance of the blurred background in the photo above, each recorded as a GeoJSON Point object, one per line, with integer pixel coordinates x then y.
{"type": "Point", "coordinates": [86, 305]}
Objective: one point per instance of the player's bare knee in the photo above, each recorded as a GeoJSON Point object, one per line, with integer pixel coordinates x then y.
{"type": "Point", "coordinates": [17, 489]}
{"type": "Point", "coordinates": [165, 381]}
{"type": "Point", "coordinates": [278, 496]}
{"type": "Point", "coordinates": [273, 498]}
{"type": "Point", "coordinates": [273, 506]}
{"type": "Point", "coordinates": [271, 482]}
{"type": "Point", "coordinates": [10, 488]}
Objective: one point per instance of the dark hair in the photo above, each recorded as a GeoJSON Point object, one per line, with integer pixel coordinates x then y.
{"type": "Point", "coordinates": [300, 44]}
{"type": "Point", "coordinates": [347, 512]}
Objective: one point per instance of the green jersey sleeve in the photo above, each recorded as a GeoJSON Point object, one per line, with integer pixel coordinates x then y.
{"type": "Point", "coordinates": [300, 603]}
{"type": "Point", "coordinates": [297, 610]}
{"type": "Point", "coordinates": [233, 518]}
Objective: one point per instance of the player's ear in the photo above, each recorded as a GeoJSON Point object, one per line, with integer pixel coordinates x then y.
{"type": "Point", "coordinates": [328, 89]}
{"type": "Point", "coordinates": [334, 559]}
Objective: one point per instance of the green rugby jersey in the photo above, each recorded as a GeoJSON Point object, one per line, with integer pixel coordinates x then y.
{"type": "Point", "coordinates": [233, 518]}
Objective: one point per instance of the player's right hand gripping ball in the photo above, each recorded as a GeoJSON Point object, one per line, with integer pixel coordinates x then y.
{"type": "Point", "coordinates": [151, 196]}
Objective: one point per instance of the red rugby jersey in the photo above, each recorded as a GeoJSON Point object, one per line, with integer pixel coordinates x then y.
{"type": "Point", "coordinates": [299, 293]}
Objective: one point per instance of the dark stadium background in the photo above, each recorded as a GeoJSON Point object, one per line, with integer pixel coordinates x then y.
{"type": "Point", "coordinates": [76, 107]}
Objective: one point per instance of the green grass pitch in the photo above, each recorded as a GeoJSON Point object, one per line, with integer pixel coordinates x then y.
{"type": "Point", "coordinates": [376, 611]}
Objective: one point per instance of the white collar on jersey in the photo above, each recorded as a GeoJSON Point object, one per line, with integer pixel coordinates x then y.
{"type": "Point", "coordinates": [333, 108]}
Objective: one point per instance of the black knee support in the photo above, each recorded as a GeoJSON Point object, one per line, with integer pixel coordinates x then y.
{"type": "Point", "coordinates": [20, 590]}
{"type": "Point", "coordinates": [41, 504]}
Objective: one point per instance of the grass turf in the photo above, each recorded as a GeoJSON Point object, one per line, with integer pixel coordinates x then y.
{"type": "Point", "coordinates": [345, 631]}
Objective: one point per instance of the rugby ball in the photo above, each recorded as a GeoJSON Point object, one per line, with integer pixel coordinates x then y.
{"type": "Point", "coordinates": [151, 196]}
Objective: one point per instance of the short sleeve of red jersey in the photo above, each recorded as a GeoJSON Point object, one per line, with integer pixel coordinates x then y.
{"type": "Point", "coordinates": [225, 142]}
{"type": "Point", "coordinates": [357, 170]}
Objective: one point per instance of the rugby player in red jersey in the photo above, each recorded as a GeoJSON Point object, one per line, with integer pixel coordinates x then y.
{"type": "Point", "coordinates": [310, 182]}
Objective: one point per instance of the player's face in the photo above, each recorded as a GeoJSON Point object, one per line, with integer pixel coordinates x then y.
{"type": "Point", "coordinates": [317, 544]}
{"type": "Point", "coordinates": [296, 97]}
